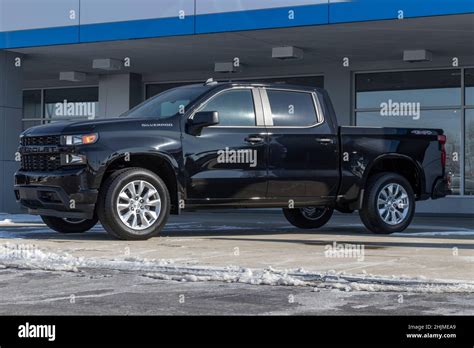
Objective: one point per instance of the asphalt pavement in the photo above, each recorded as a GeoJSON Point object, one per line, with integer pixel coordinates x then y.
{"type": "Point", "coordinates": [108, 276]}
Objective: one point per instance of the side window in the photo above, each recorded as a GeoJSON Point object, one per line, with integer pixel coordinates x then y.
{"type": "Point", "coordinates": [235, 108]}
{"type": "Point", "coordinates": [292, 108]}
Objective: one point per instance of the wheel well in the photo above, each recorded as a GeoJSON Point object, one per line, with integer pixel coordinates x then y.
{"type": "Point", "coordinates": [157, 165]}
{"type": "Point", "coordinates": [401, 166]}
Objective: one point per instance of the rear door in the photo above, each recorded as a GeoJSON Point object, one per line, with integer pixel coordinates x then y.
{"type": "Point", "coordinates": [303, 154]}
{"type": "Point", "coordinates": [226, 163]}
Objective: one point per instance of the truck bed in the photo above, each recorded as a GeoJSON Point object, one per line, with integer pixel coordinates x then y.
{"type": "Point", "coordinates": [361, 147]}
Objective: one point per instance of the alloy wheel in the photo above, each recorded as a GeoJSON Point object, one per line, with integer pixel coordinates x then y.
{"type": "Point", "coordinates": [138, 205]}
{"type": "Point", "coordinates": [393, 204]}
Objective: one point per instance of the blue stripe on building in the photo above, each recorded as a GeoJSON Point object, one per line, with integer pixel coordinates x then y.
{"type": "Point", "coordinates": [137, 29]}
{"type": "Point", "coordinates": [39, 37]}
{"type": "Point", "coordinates": [366, 10]}
{"type": "Point", "coordinates": [320, 14]}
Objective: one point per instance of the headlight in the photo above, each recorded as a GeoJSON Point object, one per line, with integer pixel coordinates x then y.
{"type": "Point", "coordinates": [82, 139]}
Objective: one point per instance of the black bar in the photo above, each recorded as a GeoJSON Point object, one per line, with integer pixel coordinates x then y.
{"type": "Point", "coordinates": [328, 330]}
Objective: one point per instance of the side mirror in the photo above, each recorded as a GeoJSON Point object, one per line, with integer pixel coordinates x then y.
{"type": "Point", "coordinates": [202, 119]}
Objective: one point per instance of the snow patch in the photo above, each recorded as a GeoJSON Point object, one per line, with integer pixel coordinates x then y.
{"type": "Point", "coordinates": [18, 218]}
{"type": "Point", "coordinates": [28, 256]}
{"type": "Point", "coordinates": [238, 275]}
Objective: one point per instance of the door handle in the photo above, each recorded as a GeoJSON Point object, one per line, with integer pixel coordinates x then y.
{"type": "Point", "coordinates": [254, 140]}
{"type": "Point", "coordinates": [325, 141]}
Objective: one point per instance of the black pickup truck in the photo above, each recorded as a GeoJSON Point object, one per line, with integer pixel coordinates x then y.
{"type": "Point", "coordinates": [226, 145]}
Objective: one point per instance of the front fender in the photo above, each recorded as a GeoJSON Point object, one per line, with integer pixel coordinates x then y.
{"type": "Point", "coordinates": [127, 155]}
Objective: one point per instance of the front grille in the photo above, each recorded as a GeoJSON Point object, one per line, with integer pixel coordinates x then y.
{"type": "Point", "coordinates": [40, 162]}
{"type": "Point", "coordinates": [41, 140]}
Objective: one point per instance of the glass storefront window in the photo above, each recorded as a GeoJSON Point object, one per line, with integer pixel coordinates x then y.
{"type": "Point", "coordinates": [469, 153]}
{"type": "Point", "coordinates": [31, 108]}
{"type": "Point", "coordinates": [429, 88]}
{"type": "Point", "coordinates": [417, 99]}
{"type": "Point", "coordinates": [71, 103]}
{"type": "Point", "coordinates": [59, 104]}
{"type": "Point", "coordinates": [448, 120]}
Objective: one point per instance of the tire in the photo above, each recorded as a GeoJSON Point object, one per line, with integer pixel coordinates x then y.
{"type": "Point", "coordinates": [64, 225]}
{"type": "Point", "coordinates": [308, 217]}
{"type": "Point", "coordinates": [126, 218]}
{"type": "Point", "coordinates": [392, 216]}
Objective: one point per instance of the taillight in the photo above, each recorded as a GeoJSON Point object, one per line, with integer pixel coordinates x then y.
{"type": "Point", "coordinates": [442, 142]}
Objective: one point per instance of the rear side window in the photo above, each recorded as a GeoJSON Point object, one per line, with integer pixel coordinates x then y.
{"type": "Point", "coordinates": [292, 109]}
{"type": "Point", "coordinates": [235, 108]}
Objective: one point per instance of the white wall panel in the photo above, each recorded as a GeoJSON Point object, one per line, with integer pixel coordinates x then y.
{"type": "Point", "coordinates": [107, 11]}
{"type": "Point", "coordinates": [216, 6]}
{"type": "Point", "coordinates": [35, 14]}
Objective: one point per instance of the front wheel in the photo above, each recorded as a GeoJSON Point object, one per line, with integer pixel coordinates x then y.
{"type": "Point", "coordinates": [308, 217]}
{"type": "Point", "coordinates": [388, 205]}
{"type": "Point", "coordinates": [134, 204]}
{"type": "Point", "coordinates": [69, 225]}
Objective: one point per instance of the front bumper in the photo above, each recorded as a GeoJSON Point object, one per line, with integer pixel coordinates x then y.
{"type": "Point", "coordinates": [441, 188]}
{"type": "Point", "coordinates": [63, 193]}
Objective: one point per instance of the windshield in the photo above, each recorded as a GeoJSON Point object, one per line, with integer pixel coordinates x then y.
{"type": "Point", "coordinates": [167, 104]}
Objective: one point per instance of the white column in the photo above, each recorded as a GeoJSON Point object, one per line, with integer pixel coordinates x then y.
{"type": "Point", "coordinates": [337, 81]}
{"type": "Point", "coordinates": [118, 93]}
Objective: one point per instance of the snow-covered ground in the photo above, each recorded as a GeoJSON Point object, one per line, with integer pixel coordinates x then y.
{"type": "Point", "coordinates": [29, 256]}
{"type": "Point", "coordinates": [259, 250]}
{"type": "Point", "coordinates": [6, 219]}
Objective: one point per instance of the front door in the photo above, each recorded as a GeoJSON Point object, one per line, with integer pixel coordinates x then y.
{"type": "Point", "coordinates": [227, 163]}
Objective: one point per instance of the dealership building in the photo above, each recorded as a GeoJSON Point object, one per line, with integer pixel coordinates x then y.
{"type": "Point", "coordinates": [84, 59]}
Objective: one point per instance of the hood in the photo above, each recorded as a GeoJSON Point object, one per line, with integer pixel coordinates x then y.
{"type": "Point", "coordinates": [86, 126]}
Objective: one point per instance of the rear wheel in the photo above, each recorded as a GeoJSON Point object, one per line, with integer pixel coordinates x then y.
{"type": "Point", "coordinates": [389, 204]}
{"type": "Point", "coordinates": [69, 225]}
{"type": "Point", "coordinates": [308, 217]}
{"type": "Point", "coordinates": [134, 204]}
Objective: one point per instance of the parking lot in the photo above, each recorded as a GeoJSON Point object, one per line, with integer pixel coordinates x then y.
{"type": "Point", "coordinates": [232, 253]}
